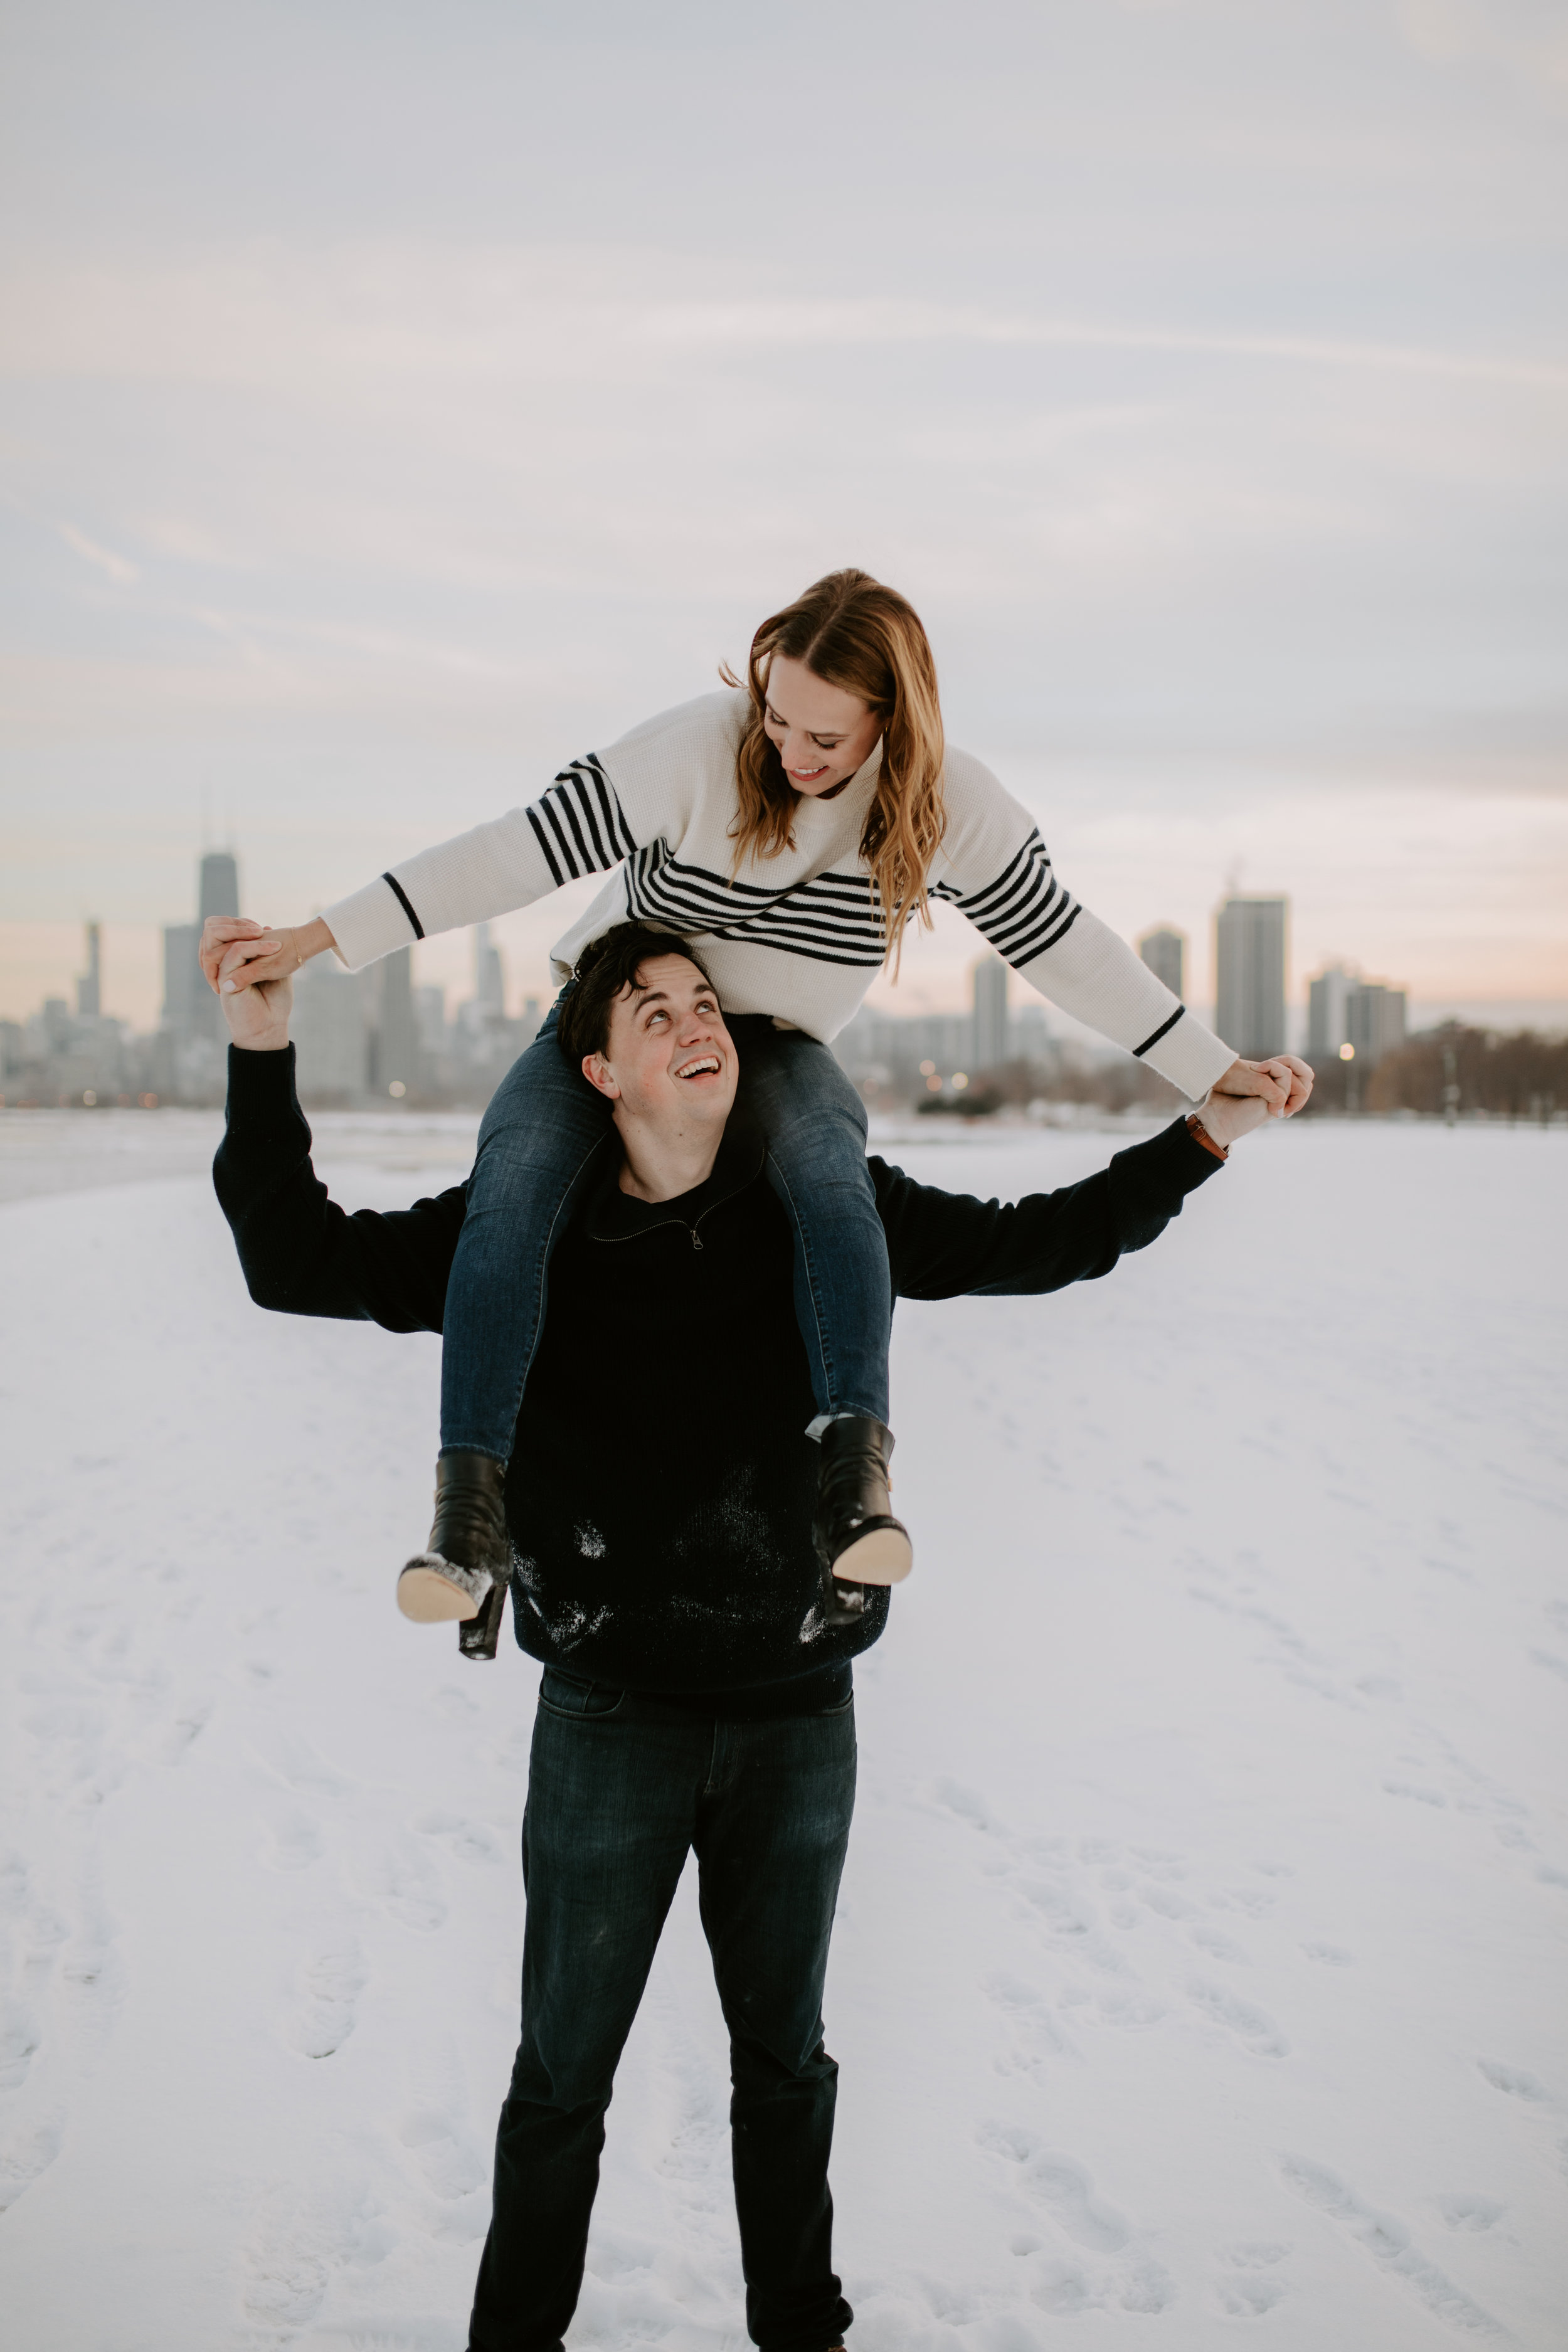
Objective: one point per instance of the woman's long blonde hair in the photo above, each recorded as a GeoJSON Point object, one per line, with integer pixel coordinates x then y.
{"type": "Point", "coordinates": [855, 634]}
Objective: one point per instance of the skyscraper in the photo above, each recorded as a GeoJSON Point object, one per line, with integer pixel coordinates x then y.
{"type": "Point", "coordinates": [89, 987]}
{"type": "Point", "coordinates": [330, 1056]}
{"type": "Point", "coordinates": [183, 980]}
{"type": "Point", "coordinates": [990, 1050]}
{"type": "Point", "coordinates": [1326, 1030]}
{"type": "Point", "coordinates": [1165, 950]}
{"type": "Point", "coordinates": [220, 885]}
{"type": "Point", "coordinates": [398, 1031]}
{"type": "Point", "coordinates": [1250, 968]}
{"type": "Point", "coordinates": [191, 1010]}
{"type": "Point", "coordinates": [1374, 1021]}
{"type": "Point", "coordinates": [490, 974]}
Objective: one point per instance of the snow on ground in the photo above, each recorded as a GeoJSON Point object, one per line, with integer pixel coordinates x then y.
{"type": "Point", "coordinates": [1200, 1967]}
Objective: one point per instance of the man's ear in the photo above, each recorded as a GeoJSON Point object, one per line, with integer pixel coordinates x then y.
{"type": "Point", "coordinates": [600, 1076]}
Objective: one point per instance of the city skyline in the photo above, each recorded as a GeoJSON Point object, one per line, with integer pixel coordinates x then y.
{"type": "Point", "coordinates": [387, 1031]}
{"type": "Point", "coordinates": [932, 984]}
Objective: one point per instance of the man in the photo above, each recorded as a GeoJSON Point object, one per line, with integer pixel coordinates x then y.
{"type": "Point", "coordinates": [696, 1695]}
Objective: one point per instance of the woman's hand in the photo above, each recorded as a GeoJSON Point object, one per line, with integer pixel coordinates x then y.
{"type": "Point", "coordinates": [236, 953]}
{"type": "Point", "coordinates": [1284, 1083]}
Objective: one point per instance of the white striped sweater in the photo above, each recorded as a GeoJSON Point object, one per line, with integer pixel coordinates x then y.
{"type": "Point", "coordinates": [794, 935]}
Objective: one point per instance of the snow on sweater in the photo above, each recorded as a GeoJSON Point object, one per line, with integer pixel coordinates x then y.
{"type": "Point", "coordinates": [795, 935]}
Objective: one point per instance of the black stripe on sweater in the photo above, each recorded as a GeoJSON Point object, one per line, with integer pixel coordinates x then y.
{"type": "Point", "coordinates": [579, 825]}
{"type": "Point", "coordinates": [402, 895]}
{"type": "Point", "coordinates": [1024, 911]}
{"type": "Point", "coordinates": [1165, 1026]}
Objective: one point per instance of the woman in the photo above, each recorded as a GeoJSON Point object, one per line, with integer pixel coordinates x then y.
{"type": "Point", "coordinates": [791, 827]}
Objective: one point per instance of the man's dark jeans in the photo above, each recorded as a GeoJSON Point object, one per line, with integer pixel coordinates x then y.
{"type": "Point", "coordinates": [621, 1786]}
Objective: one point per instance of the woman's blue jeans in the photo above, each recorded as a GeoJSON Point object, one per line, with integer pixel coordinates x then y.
{"type": "Point", "coordinates": [540, 1137]}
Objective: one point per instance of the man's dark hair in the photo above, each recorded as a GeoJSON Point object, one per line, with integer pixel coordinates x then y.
{"type": "Point", "coordinates": [604, 968]}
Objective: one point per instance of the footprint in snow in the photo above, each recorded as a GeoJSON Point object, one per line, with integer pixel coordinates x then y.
{"type": "Point", "coordinates": [1253, 2028]}
{"type": "Point", "coordinates": [293, 1842]}
{"type": "Point", "coordinates": [1388, 2243]}
{"type": "Point", "coordinates": [1218, 1946]}
{"type": "Point", "coordinates": [20, 2037]}
{"type": "Point", "coordinates": [1470, 2212]}
{"type": "Point", "coordinates": [303, 2234]}
{"type": "Point", "coordinates": [1067, 2288]}
{"type": "Point", "coordinates": [407, 1886]}
{"type": "Point", "coordinates": [1035, 2035]}
{"type": "Point", "coordinates": [467, 1840]}
{"type": "Point", "coordinates": [1245, 2290]}
{"type": "Point", "coordinates": [25, 2156]}
{"type": "Point", "coordinates": [1058, 2184]}
{"type": "Point", "coordinates": [447, 2156]}
{"type": "Point", "coordinates": [1513, 2082]}
{"type": "Point", "coordinates": [330, 1988]}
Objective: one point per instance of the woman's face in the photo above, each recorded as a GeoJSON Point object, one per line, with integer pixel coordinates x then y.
{"type": "Point", "coordinates": [821, 733]}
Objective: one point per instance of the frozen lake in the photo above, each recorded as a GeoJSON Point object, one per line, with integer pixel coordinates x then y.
{"type": "Point", "coordinates": [1200, 1969]}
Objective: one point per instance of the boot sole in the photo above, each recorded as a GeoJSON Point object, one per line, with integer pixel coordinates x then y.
{"type": "Point", "coordinates": [430, 1598]}
{"type": "Point", "coordinates": [882, 1556]}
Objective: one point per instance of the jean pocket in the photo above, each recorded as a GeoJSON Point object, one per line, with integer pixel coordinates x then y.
{"type": "Point", "coordinates": [569, 1696]}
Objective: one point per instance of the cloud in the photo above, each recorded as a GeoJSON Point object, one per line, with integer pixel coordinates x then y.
{"type": "Point", "coordinates": [119, 568]}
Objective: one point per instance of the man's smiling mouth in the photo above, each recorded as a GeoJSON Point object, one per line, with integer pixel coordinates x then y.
{"type": "Point", "coordinates": [705, 1064]}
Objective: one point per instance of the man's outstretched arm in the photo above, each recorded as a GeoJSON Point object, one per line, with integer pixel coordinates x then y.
{"type": "Point", "coordinates": [943, 1245]}
{"type": "Point", "coordinates": [301, 1254]}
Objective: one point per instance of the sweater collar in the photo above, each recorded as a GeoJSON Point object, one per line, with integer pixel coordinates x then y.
{"type": "Point", "coordinates": [612, 1216]}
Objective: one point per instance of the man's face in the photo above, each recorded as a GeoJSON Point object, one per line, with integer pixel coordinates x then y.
{"type": "Point", "coordinates": [670, 1061]}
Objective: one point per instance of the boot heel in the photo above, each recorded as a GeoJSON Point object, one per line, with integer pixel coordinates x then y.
{"type": "Point", "coordinates": [843, 1603]}
{"type": "Point", "coordinates": [479, 1637]}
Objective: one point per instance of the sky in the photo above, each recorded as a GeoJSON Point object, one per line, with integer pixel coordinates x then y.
{"type": "Point", "coordinates": [397, 402]}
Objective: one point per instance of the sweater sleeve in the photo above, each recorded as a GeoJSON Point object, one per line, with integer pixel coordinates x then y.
{"type": "Point", "coordinates": [300, 1254]}
{"type": "Point", "coordinates": [600, 810]}
{"type": "Point", "coordinates": [997, 870]}
{"type": "Point", "coordinates": [578, 826]}
{"type": "Point", "coordinates": [945, 1245]}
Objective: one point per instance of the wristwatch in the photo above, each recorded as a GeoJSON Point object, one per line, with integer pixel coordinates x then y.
{"type": "Point", "coordinates": [1200, 1134]}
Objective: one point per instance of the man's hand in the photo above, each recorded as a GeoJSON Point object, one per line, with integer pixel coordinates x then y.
{"type": "Point", "coordinates": [1283, 1083]}
{"type": "Point", "coordinates": [1229, 1117]}
{"type": "Point", "coordinates": [236, 953]}
{"type": "Point", "coordinates": [257, 1015]}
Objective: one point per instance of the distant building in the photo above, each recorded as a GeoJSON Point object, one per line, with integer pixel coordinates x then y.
{"type": "Point", "coordinates": [219, 892]}
{"type": "Point", "coordinates": [991, 1047]}
{"type": "Point", "coordinates": [332, 1039]}
{"type": "Point", "coordinates": [397, 1056]}
{"type": "Point", "coordinates": [1326, 1029]}
{"type": "Point", "coordinates": [193, 1017]}
{"type": "Point", "coordinates": [1374, 1021]}
{"type": "Point", "coordinates": [430, 1018]}
{"type": "Point", "coordinates": [1345, 1010]}
{"type": "Point", "coordinates": [89, 988]}
{"type": "Point", "coordinates": [184, 986]}
{"type": "Point", "coordinates": [1032, 1038]}
{"type": "Point", "coordinates": [1249, 969]}
{"type": "Point", "coordinates": [1165, 950]}
{"type": "Point", "coordinates": [490, 974]}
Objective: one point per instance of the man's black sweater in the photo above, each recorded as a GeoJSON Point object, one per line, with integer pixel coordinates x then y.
{"type": "Point", "coordinates": [661, 1488]}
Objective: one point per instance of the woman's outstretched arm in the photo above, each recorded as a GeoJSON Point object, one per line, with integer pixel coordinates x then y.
{"type": "Point", "coordinates": [579, 826]}
{"type": "Point", "coordinates": [994, 866]}
{"type": "Point", "coordinates": [598, 812]}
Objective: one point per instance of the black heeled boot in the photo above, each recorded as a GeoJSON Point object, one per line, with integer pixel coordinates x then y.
{"type": "Point", "coordinates": [858, 1540]}
{"type": "Point", "coordinates": [465, 1570]}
